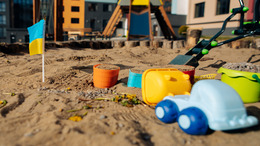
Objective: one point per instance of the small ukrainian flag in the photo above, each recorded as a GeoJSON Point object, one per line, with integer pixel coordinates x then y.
{"type": "Point", "coordinates": [36, 37]}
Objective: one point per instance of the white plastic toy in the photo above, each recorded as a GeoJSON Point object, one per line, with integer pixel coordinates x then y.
{"type": "Point", "coordinates": [211, 104]}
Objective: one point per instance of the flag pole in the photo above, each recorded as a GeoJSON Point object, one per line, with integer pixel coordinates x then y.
{"type": "Point", "coordinates": [43, 48]}
{"type": "Point", "coordinates": [43, 67]}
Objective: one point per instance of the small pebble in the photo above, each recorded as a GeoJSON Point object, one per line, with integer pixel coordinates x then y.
{"type": "Point", "coordinates": [28, 134]}
{"type": "Point", "coordinates": [121, 125]}
{"type": "Point", "coordinates": [102, 117]}
{"type": "Point", "coordinates": [146, 137]}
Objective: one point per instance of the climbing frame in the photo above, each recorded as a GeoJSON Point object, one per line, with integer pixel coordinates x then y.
{"type": "Point", "coordinates": [139, 19]}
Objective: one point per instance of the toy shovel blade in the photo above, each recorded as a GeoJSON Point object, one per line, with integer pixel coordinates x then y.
{"type": "Point", "coordinates": [185, 60]}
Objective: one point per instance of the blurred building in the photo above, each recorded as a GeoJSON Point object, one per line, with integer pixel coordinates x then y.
{"type": "Point", "coordinates": [179, 7]}
{"type": "Point", "coordinates": [178, 14]}
{"type": "Point", "coordinates": [4, 9]}
{"type": "Point", "coordinates": [73, 18]}
{"type": "Point", "coordinates": [15, 17]}
{"type": "Point", "coordinates": [79, 17]}
{"type": "Point", "coordinates": [210, 14]}
{"type": "Point", "coordinates": [98, 13]}
{"type": "Point", "coordinates": [84, 16]}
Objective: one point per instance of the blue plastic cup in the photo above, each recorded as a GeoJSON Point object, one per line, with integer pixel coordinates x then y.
{"type": "Point", "coordinates": [134, 80]}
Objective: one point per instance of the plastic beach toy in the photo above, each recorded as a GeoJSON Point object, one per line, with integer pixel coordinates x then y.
{"type": "Point", "coordinates": [134, 79]}
{"type": "Point", "coordinates": [191, 74]}
{"type": "Point", "coordinates": [105, 78]}
{"type": "Point", "coordinates": [204, 77]}
{"type": "Point", "coordinates": [245, 83]}
{"type": "Point", "coordinates": [158, 83]}
{"type": "Point", "coordinates": [211, 104]}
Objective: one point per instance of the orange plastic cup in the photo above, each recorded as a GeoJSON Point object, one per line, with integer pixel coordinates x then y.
{"type": "Point", "coordinates": [104, 78]}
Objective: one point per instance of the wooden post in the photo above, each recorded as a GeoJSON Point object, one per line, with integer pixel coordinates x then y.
{"type": "Point", "coordinates": [118, 44]}
{"type": "Point", "coordinates": [193, 36]}
{"type": "Point", "coordinates": [130, 44]}
{"type": "Point", "coordinates": [36, 11]}
{"type": "Point", "coordinates": [150, 21]}
{"type": "Point", "coordinates": [129, 19]}
{"type": "Point", "coordinates": [154, 44]}
{"type": "Point", "coordinates": [144, 43]}
{"type": "Point", "coordinates": [58, 20]}
{"type": "Point", "coordinates": [178, 44]}
{"type": "Point", "coordinates": [167, 44]}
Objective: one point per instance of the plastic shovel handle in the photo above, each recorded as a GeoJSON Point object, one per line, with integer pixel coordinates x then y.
{"type": "Point", "coordinates": [256, 77]}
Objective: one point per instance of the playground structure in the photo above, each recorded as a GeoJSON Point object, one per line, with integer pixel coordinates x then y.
{"type": "Point", "coordinates": [139, 19]}
{"type": "Point", "coordinates": [138, 12]}
{"type": "Point", "coordinates": [245, 29]}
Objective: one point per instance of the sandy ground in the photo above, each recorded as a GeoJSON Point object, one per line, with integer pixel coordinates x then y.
{"type": "Point", "coordinates": [38, 112]}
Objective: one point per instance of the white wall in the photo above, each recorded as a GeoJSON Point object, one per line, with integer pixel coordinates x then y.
{"type": "Point", "coordinates": [180, 7]}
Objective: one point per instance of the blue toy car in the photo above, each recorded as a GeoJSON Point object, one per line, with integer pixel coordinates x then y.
{"type": "Point", "coordinates": [211, 104]}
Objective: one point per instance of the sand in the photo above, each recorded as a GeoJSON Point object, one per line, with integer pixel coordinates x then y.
{"type": "Point", "coordinates": [38, 112]}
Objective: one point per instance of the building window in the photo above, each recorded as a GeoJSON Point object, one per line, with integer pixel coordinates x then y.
{"type": "Point", "coordinates": [105, 21]}
{"type": "Point", "coordinates": [167, 6]}
{"type": "Point", "coordinates": [74, 9]}
{"type": "Point", "coordinates": [2, 6]}
{"type": "Point", "coordinates": [223, 7]}
{"type": "Point", "coordinates": [2, 32]}
{"type": "Point", "coordinates": [74, 20]}
{"type": "Point", "coordinates": [120, 24]}
{"type": "Point", "coordinates": [2, 19]}
{"type": "Point", "coordinates": [199, 10]}
{"type": "Point", "coordinates": [92, 23]}
{"type": "Point", "coordinates": [22, 11]}
{"type": "Point", "coordinates": [92, 7]}
{"type": "Point", "coordinates": [107, 8]}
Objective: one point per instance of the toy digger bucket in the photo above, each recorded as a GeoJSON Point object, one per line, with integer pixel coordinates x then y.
{"type": "Point", "coordinates": [185, 60]}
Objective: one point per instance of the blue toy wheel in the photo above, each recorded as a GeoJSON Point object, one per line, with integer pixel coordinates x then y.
{"type": "Point", "coordinates": [167, 111]}
{"type": "Point", "coordinates": [193, 121]}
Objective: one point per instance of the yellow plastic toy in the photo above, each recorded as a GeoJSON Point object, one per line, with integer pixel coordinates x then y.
{"type": "Point", "coordinates": [158, 83]}
{"type": "Point", "coordinates": [204, 77]}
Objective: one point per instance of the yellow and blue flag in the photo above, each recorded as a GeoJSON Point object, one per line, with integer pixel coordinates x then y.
{"type": "Point", "coordinates": [36, 37]}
